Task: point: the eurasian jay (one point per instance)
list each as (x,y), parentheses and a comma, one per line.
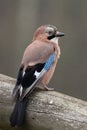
(37,67)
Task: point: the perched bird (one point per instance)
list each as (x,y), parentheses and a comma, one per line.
(37,67)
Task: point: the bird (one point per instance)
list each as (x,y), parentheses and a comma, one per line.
(37,68)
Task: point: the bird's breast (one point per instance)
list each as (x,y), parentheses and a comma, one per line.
(47,77)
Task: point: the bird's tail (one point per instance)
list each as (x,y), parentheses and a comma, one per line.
(18,114)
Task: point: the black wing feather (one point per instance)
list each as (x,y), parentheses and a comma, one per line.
(19,76)
(17,116)
(29,76)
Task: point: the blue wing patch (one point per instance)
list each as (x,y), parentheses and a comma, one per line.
(49,62)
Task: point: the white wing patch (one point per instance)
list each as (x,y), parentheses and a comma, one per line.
(23,73)
(21,90)
(37,74)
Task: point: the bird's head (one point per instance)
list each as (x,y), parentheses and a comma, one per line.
(48,32)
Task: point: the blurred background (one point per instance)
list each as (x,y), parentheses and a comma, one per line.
(18,21)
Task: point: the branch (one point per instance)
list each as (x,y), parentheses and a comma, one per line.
(48,110)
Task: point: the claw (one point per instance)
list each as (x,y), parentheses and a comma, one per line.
(44,87)
(48,89)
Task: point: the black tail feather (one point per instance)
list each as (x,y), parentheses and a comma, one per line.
(18,114)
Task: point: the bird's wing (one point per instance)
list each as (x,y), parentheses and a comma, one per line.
(34,59)
(41,74)
(37,52)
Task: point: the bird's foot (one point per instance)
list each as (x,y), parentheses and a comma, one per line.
(47,88)
(44,87)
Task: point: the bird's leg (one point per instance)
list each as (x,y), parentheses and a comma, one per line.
(44,87)
(47,88)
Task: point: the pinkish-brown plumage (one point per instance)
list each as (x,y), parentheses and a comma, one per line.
(39,51)
(32,72)
(47,77)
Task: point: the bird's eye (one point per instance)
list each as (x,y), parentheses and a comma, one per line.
(50,32)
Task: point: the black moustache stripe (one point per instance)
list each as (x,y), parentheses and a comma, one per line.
(51,37)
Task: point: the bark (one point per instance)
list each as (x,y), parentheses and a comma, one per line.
(47,110)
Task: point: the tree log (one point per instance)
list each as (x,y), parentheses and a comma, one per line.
(47,110)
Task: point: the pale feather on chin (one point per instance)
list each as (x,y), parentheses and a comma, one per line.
(55,39)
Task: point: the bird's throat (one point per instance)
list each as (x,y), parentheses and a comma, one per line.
(55,39)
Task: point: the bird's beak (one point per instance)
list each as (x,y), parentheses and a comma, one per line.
(59,34)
